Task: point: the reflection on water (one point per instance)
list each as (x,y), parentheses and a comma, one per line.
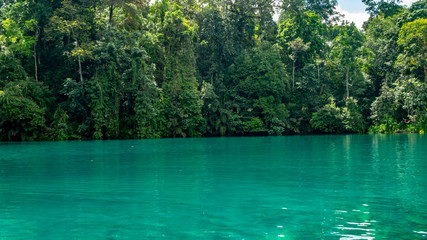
(364,228)
(300,187)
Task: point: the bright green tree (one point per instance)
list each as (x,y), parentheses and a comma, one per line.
(301,38)
(413,37)
(345,51)
(181,102)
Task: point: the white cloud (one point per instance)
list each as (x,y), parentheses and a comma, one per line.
(276,17)
(360,17)
(408,2)
(357,17)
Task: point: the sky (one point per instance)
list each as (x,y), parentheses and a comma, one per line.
(354,10)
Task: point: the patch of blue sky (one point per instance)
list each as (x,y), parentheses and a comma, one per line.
(354,10)
(352,5)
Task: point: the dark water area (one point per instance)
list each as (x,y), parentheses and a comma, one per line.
(296,187)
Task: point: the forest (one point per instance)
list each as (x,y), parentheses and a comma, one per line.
(128,69)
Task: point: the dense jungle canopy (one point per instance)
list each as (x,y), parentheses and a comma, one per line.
(120,69)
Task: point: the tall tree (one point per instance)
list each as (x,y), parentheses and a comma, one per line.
(301,38)
(381,39)
(69,25)
(345,50)
(385,7)
(259,85)
(297,47)
(413,37)
(181,100)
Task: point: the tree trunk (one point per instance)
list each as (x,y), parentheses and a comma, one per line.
(35,54)
(111,13)
(321,90)
(35,62)
(78,58)
(318,80)
(346,82)
(293,74)
(80,63)
(80,70)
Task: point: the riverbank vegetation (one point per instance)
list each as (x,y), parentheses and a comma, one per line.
(120,69)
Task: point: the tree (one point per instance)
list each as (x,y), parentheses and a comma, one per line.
(381,40)
(328,119)
(129,14)
(11,69)
(345,50)
(413,37)
(123,93)
(22,111)
(401,105)
(301,40)
(259,85)
(182,103)
(119,69)
(297,47)
(322,8)
(14,29)
(69,25)
(386,7)
(16,25)
(333,119)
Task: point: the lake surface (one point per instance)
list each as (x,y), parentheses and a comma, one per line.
(296,187)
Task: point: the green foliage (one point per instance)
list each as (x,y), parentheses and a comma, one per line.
(346,45)
(388,125)
(323,8)
(353,119)
(10,69)
(276,127)
(181,99)
(124,95)
(306,26)
(253,125)
(14,28)
(22,113)
(403,104)
(328,119)
(258,73)
(346,49)
(75,106)
(382,34)
(387,8)
(333,119)
(259,84)
(121,69)
(413,37)
(61,125)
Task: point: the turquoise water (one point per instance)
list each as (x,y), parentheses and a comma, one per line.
(297,187)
